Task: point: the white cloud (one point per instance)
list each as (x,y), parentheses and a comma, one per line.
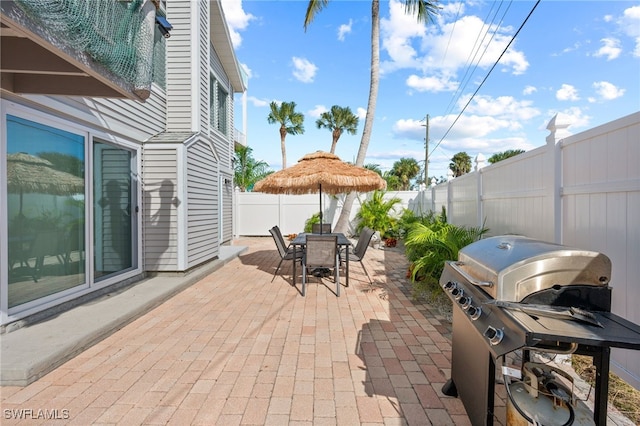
(258,102)
(567,93)
(397,34)
(505,107)
(529,90)
(576,117)
(344,29)
(431,84)
(610,49)
(317,111)
(303,70)
(441,51)
(607,91)
(361,113)
(452,48)
(237,19)
(629,23)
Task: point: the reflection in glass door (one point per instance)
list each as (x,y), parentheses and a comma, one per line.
(114,223)
(45,210)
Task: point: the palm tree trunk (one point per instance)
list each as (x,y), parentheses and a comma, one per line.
(334,140)
(283,135)
(343,220)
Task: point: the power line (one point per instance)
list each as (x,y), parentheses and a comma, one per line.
(477,44)
(487,76)
(486,47)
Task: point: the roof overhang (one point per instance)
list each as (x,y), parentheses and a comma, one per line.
(221,41)
(34,62)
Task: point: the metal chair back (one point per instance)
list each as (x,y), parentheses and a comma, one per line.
(285,252)
(363,242)
(321,251)
(325,228)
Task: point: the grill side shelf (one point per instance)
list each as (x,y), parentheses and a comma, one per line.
(615,332)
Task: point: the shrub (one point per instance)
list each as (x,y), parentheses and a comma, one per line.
(376,213)
(308,224)
(429,246)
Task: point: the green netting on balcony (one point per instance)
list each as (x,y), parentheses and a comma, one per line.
(117,34)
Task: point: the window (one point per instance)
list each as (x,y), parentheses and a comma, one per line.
(222,110)
(159,58)
(218,106)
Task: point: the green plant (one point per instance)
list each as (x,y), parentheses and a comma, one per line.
(308,224)
(429,246)
(376,213)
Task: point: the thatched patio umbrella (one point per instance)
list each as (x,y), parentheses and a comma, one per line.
(31,174)
(321,172)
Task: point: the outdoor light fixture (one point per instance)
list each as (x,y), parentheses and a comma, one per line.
(164,26)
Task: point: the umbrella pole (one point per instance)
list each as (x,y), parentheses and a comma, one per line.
(320,185)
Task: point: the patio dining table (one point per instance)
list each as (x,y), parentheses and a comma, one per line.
(301,241)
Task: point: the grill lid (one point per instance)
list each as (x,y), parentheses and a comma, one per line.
(517,266)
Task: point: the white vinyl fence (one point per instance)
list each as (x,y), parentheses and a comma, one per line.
(579,190)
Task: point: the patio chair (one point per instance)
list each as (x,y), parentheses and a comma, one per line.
(357,254)
(321,252)
(326,228)
(285,252)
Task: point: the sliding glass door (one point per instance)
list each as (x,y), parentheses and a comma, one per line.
(45,210)
(114,216)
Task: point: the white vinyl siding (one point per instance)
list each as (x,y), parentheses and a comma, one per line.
(227,207)
(203,65)
(180,61)
(133,120)
(160,213)
(203,219)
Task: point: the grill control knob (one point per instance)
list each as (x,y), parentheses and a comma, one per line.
(494,335)
(465,302)
(474,312)
(457,293)
(450,285)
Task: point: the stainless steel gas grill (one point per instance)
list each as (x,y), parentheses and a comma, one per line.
(511,293)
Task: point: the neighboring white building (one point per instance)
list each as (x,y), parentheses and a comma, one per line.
(116,146)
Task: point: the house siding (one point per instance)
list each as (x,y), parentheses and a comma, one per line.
(203,47)
(202,204)
(160,208)
(180,60)
(227,208)
(132,120)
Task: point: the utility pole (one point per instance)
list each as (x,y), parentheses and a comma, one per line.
(426,155)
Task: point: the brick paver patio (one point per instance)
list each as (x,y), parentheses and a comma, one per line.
(238,349)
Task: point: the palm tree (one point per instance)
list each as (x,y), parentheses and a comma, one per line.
(338,119)
(393,181)
(247,170)
(373,168)
(290,123)
(424,11)
(504,155)
(405,169)
(460,164)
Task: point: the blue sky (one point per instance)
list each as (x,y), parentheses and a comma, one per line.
(576,58)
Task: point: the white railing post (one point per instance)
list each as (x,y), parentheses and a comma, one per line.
(558,131)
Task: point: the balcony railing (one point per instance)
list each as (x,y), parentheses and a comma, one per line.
(239,138)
